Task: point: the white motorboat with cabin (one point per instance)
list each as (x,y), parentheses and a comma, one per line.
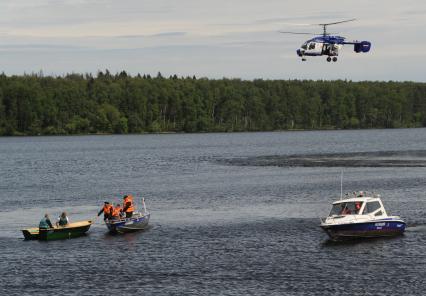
(361,215)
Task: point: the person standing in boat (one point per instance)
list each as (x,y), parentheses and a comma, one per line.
(128,207)
(117,212)
(107,210)
(63,220)
(45,222)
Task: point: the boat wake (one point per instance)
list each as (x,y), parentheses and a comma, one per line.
(414,158)
(416,228)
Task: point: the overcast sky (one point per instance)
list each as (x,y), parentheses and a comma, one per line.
(214,39)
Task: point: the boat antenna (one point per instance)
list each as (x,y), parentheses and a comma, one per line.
(144,206)
(341,185)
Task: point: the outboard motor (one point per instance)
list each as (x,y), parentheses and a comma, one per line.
(363,46)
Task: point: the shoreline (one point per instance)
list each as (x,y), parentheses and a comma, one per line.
(205,132)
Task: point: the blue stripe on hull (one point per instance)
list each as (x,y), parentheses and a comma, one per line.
(368,229)
(128,225)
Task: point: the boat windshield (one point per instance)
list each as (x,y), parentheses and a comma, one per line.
(346,208)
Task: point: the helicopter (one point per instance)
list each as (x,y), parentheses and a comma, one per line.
(327,44)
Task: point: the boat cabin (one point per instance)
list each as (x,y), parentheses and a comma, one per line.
(358,204)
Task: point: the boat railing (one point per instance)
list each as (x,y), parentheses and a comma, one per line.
(361,194)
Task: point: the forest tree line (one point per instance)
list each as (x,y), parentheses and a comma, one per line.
(119,103)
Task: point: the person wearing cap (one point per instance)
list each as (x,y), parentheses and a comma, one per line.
(45,222)
(128,207)
(107,210)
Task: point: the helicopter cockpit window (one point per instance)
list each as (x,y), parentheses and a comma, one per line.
(312,45)
(304,46)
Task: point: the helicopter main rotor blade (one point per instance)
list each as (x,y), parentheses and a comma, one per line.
(344,21)
(298,33)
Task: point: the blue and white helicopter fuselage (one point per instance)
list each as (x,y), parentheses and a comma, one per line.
(329,46)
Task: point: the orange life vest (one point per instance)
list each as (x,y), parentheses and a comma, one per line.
(128,204)
(107,209)
(116,211)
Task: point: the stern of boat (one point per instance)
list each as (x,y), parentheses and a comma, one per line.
(30,233)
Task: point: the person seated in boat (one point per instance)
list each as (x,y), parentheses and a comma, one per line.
(107,210)
(117,212)
(63,220)
(45,222)
(128,207)
(357,207)
(345,210)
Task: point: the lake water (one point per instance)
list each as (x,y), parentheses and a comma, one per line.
(228,215)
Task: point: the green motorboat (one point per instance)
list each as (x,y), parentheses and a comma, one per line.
(71,230)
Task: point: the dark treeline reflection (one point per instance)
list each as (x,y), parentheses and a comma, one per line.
(107,103)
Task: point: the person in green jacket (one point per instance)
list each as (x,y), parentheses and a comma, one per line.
(63,220)
(45,223)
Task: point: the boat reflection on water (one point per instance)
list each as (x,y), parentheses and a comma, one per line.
(361,215)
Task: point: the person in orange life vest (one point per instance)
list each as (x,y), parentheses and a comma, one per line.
(116,212)
(107,210)
(128,205)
